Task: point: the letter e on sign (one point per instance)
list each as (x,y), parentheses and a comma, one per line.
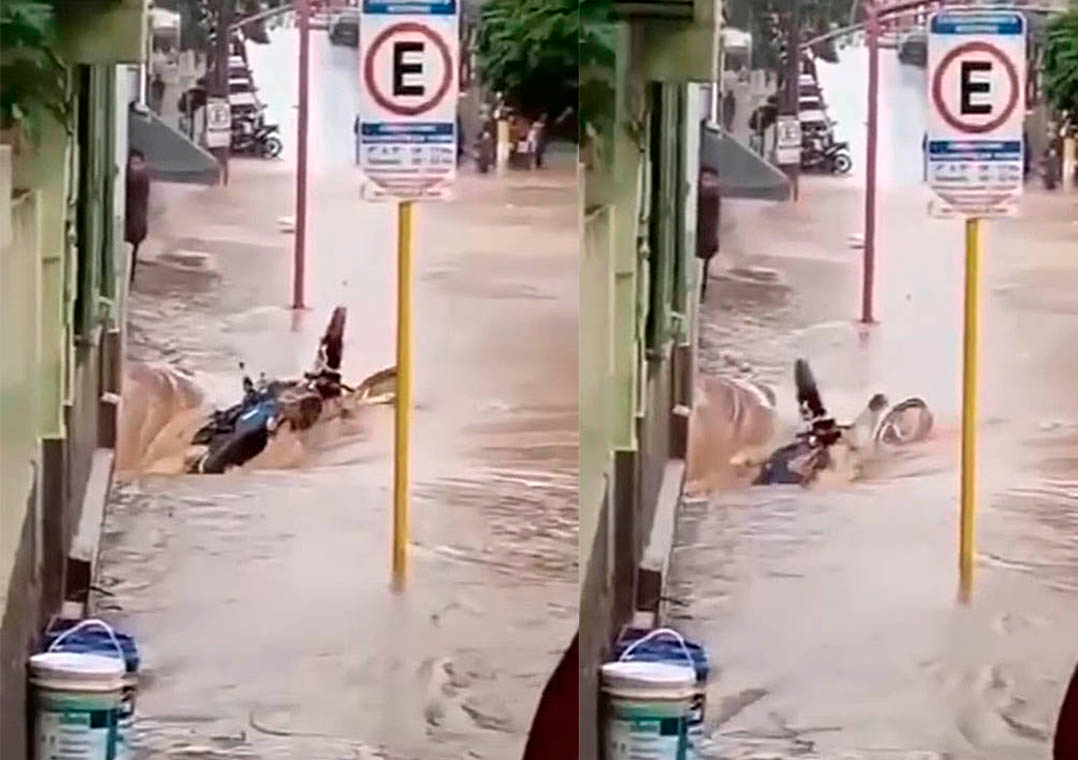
(401,68)
(970,86)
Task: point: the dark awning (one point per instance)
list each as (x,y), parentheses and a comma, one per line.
(742,173)
(171,156)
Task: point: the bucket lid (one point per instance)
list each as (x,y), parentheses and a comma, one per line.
(92,641)
(663,650)
(647,675)
(90,669)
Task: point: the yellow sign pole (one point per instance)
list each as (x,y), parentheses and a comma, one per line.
(969,408)
(404,391)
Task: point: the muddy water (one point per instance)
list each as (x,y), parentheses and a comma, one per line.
(261,597)
(831,615)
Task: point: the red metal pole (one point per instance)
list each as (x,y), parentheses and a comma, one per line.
(303,13)
(869,266)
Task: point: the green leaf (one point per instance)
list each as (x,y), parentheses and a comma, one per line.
(529,50)
(1060,62)
(33,78)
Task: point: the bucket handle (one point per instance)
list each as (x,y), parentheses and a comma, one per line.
(656,634)
(87,624)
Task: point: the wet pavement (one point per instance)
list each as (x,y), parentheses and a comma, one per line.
(832,615)
(261,598)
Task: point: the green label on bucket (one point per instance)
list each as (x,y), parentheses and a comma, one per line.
(646,739)
(76,735)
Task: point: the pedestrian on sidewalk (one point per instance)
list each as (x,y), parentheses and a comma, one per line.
(708,210)
(729,108)
(460,142)
(157,93)
(136,204)
(924,158)
(355,133)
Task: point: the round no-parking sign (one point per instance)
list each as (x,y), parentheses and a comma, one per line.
(976,110)
(408,100)
(408,69)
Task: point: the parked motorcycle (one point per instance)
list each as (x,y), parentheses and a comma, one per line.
(832,157)
(255,138)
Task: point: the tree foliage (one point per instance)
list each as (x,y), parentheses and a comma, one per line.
(1061,64)
(765,20)
(198,20)
(597,70)
(529,50)
(33,78)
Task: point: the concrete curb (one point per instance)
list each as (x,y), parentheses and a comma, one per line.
(655,563)
(82,559)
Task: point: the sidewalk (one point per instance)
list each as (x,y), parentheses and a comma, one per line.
(830,615)
(261,598)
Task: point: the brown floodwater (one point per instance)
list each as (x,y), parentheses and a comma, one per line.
(261,597)
(831,615)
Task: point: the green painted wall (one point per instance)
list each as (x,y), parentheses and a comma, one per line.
(639,275)
(20,339)
(45,167)
(65,249)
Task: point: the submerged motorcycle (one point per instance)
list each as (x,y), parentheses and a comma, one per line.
(238,434)
(814,447)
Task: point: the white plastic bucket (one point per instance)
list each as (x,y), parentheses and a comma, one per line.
(125,718)
(695,729)
(76,704)
(648,706)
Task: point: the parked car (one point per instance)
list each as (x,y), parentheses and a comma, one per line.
(344,30)
(914,49)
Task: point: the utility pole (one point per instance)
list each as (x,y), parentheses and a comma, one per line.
(222,44)
(869,260)
(303,17)
(793,75)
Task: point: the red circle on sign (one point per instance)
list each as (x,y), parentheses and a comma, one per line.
(937,87)
(368,69)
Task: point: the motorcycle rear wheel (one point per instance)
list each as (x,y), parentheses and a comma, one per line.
(272,147)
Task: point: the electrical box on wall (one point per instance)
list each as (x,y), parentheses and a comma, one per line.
(669,9)
(688,11)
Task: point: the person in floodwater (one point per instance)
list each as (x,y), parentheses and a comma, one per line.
(539,140)
(485,150)
(136,204)
(553,732)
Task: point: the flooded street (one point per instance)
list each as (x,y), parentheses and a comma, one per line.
(261,597)
(831,615)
